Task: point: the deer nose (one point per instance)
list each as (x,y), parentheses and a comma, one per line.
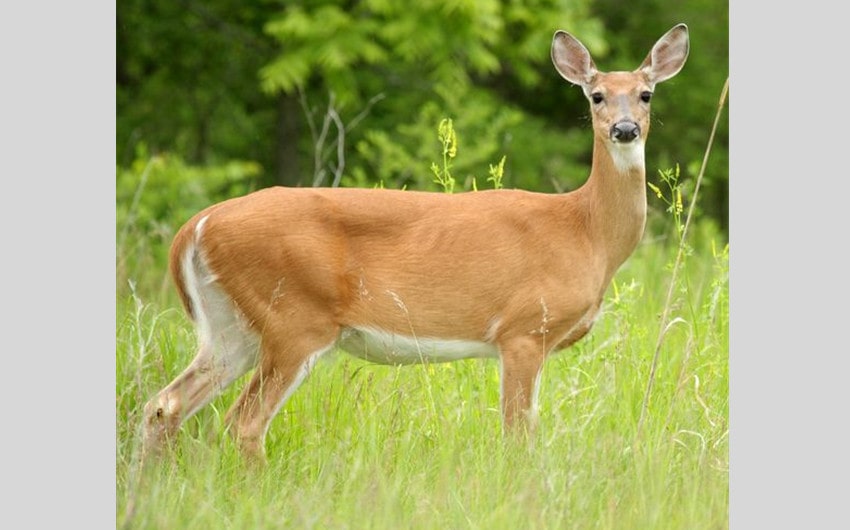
(625,131)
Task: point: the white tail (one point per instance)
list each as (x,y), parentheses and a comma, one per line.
(276,278)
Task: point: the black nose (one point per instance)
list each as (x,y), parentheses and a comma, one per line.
(625,131)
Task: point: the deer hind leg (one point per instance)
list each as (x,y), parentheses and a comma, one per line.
(286,361)
(228,349)
(521,366)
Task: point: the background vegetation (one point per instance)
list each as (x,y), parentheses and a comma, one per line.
(217,98)
(223,80)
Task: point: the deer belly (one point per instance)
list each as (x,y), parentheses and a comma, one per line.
(384,347)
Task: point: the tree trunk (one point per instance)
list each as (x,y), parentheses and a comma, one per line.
(288,168)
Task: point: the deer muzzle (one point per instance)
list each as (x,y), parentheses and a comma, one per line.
(625,131)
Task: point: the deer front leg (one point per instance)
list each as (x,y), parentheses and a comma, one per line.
(521,366)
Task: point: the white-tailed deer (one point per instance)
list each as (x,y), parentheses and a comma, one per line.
(276,278)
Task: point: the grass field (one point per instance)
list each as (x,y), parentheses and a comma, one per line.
(368,446)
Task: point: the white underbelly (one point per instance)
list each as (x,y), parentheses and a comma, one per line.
(385,347)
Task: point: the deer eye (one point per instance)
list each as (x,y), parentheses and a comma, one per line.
(596,97)
(645,96)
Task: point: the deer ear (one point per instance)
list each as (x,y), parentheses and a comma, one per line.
(668,55)
(571,59)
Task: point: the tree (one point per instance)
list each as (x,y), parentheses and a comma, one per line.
(323,91)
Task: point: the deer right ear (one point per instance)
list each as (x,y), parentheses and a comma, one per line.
(571,59)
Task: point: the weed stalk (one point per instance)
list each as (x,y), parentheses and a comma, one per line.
(666,324)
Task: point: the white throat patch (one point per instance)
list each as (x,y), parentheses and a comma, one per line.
(627,156)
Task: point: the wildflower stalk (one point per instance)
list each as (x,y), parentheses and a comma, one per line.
(448,138)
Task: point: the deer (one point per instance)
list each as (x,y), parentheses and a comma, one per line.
(274,279)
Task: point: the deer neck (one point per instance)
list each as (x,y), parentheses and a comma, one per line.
(617,199)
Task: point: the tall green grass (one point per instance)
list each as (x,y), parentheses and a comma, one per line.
(368,446)
(633,418)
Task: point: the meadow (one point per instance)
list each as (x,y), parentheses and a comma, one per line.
(633,430)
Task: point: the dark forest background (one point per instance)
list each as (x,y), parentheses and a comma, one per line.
(229,96)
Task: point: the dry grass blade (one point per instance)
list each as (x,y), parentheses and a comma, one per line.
(679,257)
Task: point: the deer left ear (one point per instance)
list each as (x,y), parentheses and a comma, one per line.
(668,55)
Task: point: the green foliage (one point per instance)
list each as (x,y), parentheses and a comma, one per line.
(430,60)
(396,156)
(163,188)
(334,42)
(448,139)
(447,136)
(187,80)
(670,179)
(436,42)
(225,80)
(496,173)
